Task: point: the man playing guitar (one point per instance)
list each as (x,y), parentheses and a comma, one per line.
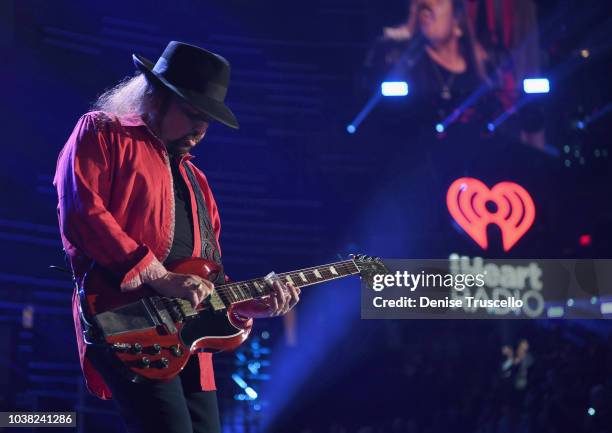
(132,202)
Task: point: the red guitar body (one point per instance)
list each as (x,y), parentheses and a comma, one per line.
(151,336)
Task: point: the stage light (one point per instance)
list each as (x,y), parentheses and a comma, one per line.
(585,53)
(593,300)
(584,240)
(265,335)
(555,312)
(239,381)
(394,88)
(254,367)
(351,129)
(591,411)
(536,85)
(606,308)
(440,128)
(580,124)
(491,126)
(570,302)
(250,392)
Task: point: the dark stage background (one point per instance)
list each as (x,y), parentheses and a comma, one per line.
(295,190)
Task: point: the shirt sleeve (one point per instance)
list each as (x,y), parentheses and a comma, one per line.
(83,180)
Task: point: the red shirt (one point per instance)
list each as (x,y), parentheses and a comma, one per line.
(116,207)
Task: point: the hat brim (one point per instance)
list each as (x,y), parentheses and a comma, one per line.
(211,107)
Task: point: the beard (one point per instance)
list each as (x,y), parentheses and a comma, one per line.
(184,144)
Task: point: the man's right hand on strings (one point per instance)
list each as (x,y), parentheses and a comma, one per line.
(191,287)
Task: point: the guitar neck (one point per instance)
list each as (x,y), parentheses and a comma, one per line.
(232,293)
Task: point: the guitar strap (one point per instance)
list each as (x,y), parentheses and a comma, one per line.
(210,248)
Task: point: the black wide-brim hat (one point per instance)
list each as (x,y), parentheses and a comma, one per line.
(196,75)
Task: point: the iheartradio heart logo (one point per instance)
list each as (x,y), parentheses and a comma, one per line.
(474,206)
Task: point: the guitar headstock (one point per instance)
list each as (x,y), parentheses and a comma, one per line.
(369,266)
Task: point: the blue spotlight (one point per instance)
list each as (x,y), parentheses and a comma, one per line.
(591,411)
(254,367)
(491,126)
(580,124)
(250,392)
(394,88)
(536,85)
(239,381)
(351,129)
(440,128)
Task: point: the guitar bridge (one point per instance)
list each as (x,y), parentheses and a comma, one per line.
(185,308)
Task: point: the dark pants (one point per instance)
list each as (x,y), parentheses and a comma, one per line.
(177,406)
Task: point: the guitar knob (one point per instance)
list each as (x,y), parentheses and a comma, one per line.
(145,362)
(176,350)
(163,363)
(156,348)
(137,348)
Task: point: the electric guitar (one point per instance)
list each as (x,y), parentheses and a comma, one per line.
(151,336)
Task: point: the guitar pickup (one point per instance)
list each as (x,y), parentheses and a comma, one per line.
(216,302)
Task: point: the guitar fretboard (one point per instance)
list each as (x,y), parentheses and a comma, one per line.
(257,288)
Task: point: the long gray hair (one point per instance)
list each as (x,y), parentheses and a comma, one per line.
(132,95)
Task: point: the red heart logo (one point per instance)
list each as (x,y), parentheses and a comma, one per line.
(467,200)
